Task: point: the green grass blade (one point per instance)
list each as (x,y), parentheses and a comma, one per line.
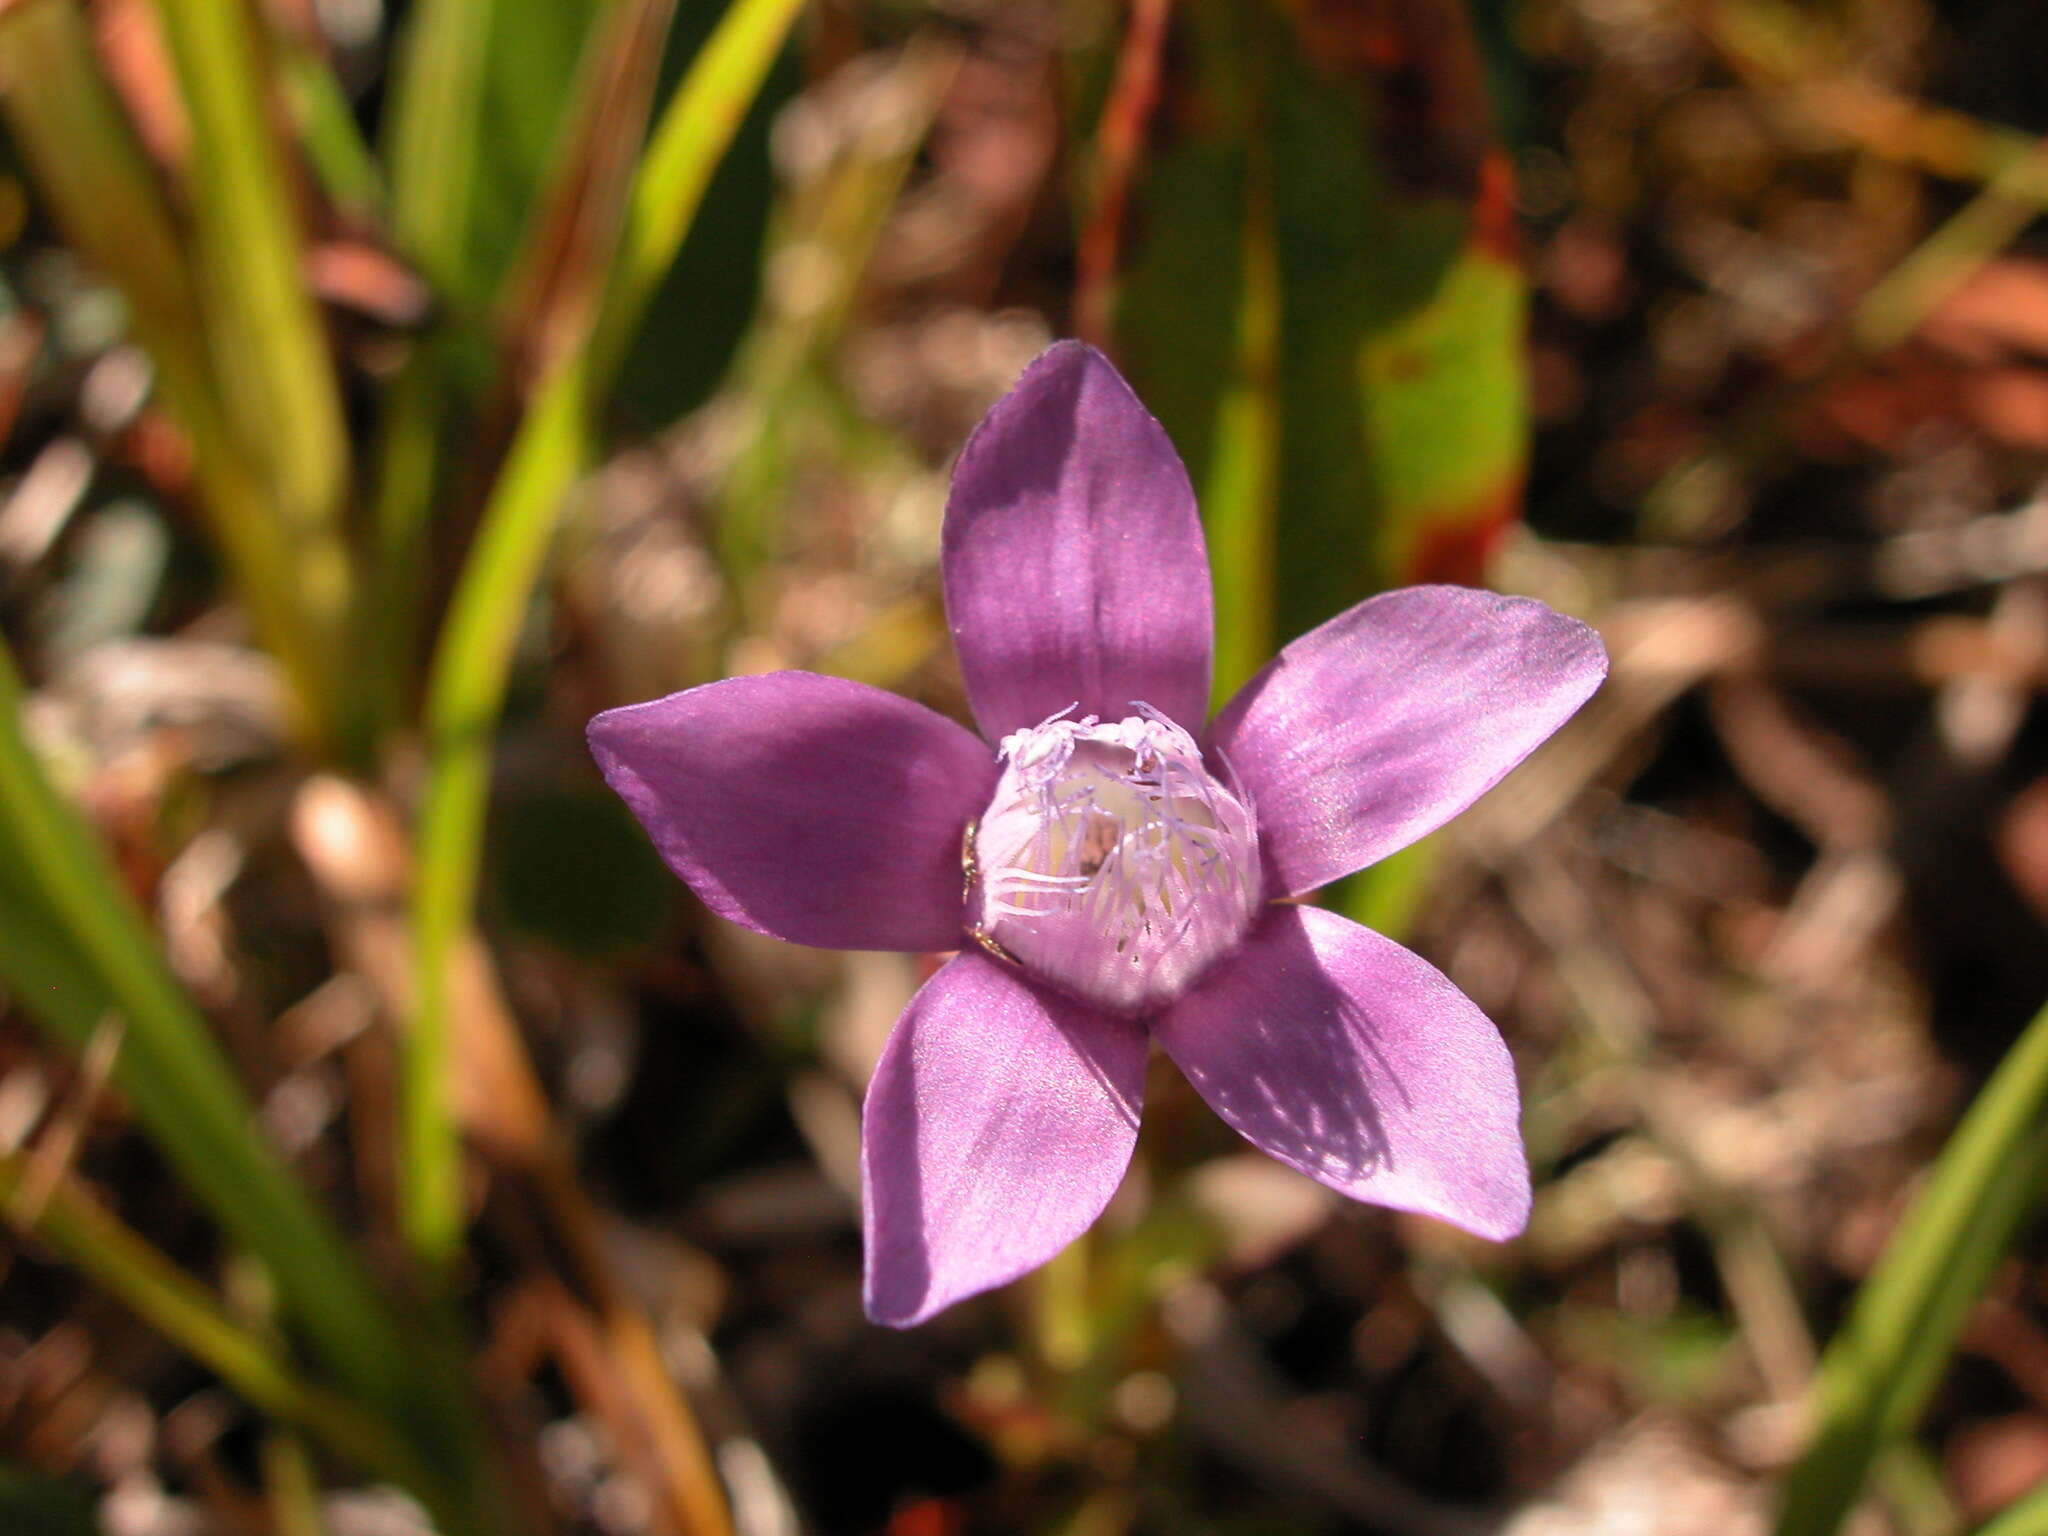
(1878,1372)
(472,661)
(74,949)
(431,148)
(292,1487)
(269,344)
(335,148)
(433,124)
(183,1311)
(688,142)
(97,179)
(468,684)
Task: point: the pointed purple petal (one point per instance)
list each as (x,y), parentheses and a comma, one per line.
(997,1127)
(810,808)
(1345,1056)
(1073,558)
(1386,722)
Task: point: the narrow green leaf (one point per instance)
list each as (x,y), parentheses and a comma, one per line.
(183,1311)
(268,341)
(472,661)
(335,147)
(433,124)
(533,83)
(685,341)
(97,179)
(431,147)
(1878,1371)
(683,151)
(559,273)
(74,950)
(467,691)
(291,1487)
(1342,225)
(406,453)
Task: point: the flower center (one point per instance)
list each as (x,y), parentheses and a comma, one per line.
(1110,862)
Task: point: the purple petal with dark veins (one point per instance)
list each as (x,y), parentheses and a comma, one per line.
(811,808)
(1343,1055)
(1384,723)
(1074,566)
(998,1124)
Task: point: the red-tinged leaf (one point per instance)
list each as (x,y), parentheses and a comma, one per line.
(1326,306)
(1397,384)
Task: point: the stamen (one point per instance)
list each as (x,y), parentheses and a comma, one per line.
(1110,862)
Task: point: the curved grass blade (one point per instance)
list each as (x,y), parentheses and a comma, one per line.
(1878,1371)
(431,147)
(685,148)
(433,125)
(177,1306)
(473,659)
(336,152)
(73,951)
(266,338)
(76,948)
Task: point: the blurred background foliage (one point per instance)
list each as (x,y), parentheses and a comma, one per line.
(388,1144)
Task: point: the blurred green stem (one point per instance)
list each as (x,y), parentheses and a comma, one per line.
(290,1486)
(436,115)
(335,149)
(432,146)
(266,337)
(473,659)
(268,346)
(1878,1371)
(1061,1308)
(467,691)
(407,448)
(1955,252)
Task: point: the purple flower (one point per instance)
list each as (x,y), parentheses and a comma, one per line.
(1125,871)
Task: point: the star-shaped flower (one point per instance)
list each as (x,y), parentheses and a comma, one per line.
(1126,870)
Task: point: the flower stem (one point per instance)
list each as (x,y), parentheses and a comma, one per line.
(473,659)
